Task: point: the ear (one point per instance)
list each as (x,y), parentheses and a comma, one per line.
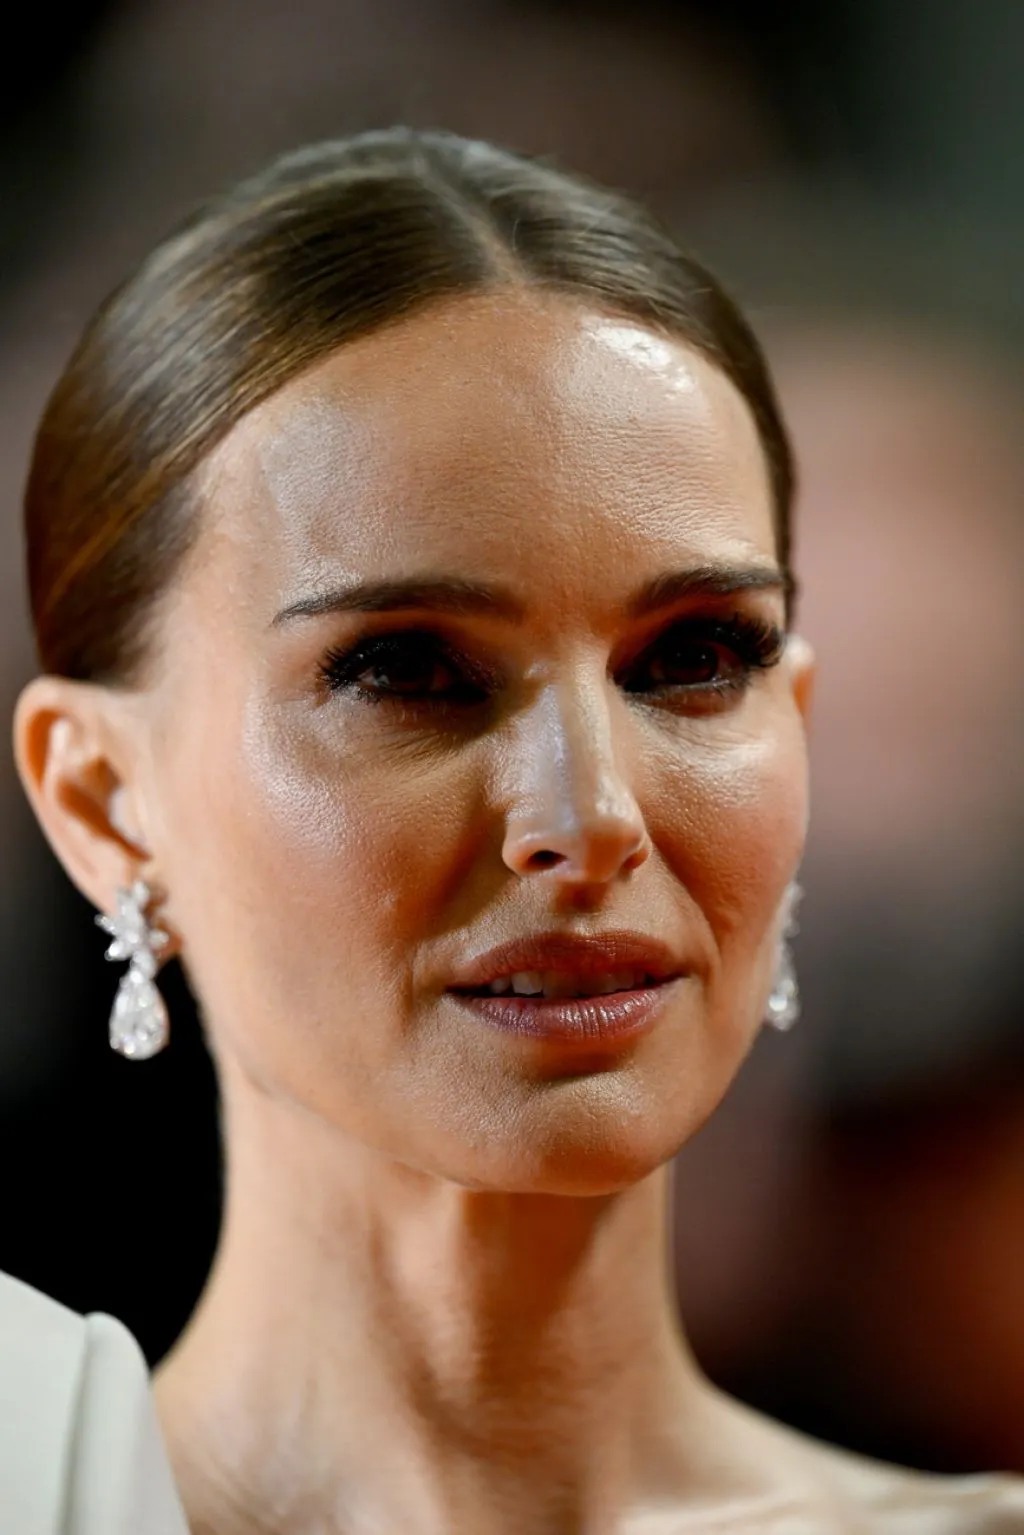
(72,745)
(803,672)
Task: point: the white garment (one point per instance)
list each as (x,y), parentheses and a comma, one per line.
(80,1448)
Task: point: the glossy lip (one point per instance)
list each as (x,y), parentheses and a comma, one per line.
(587,1022)
(610,1018)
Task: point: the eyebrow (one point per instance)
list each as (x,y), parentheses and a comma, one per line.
(454,594)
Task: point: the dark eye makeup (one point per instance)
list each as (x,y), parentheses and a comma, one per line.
(718,655)
(408,664)
(694,659)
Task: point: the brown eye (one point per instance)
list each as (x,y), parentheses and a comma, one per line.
(688,664)
(412,666)
(714,656)
(406,670)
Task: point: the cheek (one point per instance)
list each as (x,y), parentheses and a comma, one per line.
(732,822)
(315,870)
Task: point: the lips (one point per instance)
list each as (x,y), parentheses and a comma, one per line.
(566,983)
(564,965)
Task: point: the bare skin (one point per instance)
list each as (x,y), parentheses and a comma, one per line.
(440,1301)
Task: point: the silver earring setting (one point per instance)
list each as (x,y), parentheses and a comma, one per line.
(138,1023)
(784,1001)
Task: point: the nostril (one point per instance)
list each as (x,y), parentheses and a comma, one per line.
(638,856)
(544,859)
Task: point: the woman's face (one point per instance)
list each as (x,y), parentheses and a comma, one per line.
(481,640)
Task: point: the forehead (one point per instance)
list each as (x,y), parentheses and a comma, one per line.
(488,429)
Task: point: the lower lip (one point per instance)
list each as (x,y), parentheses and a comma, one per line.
(614,1018)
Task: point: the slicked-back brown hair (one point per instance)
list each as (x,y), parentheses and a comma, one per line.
(326,244)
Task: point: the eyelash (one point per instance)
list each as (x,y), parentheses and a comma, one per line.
(754,643)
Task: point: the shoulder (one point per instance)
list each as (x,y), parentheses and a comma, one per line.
(80,1450)
(874,1498)
(892,1501)
(816,1489)
(42,1355)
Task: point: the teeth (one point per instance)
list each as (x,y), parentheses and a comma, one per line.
(527,983)
(557,983)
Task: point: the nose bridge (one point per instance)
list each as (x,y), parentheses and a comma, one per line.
(575,811)
(587,774)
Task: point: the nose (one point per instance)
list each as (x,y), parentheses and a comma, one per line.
(574,818)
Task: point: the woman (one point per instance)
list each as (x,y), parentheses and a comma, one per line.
(409,557)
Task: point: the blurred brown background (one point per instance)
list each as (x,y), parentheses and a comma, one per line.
(850,1230)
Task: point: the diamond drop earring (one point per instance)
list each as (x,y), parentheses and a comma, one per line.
(138,1022)
(784,1001)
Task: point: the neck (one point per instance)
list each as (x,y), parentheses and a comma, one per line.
(379,1348)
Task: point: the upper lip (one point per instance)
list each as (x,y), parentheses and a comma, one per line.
(583,955)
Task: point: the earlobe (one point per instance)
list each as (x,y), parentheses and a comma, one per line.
(66,749)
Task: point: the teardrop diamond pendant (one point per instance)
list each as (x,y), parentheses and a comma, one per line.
(139,1026)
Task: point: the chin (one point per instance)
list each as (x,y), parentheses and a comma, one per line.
(574,1173)
(579,1181)
(574,1147)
